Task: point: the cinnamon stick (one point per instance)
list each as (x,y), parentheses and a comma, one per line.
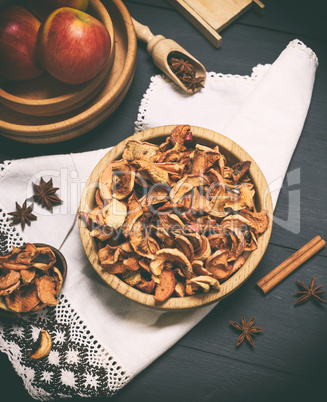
(290,264)
(289,260)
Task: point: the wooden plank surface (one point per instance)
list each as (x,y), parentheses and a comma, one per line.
(289,361)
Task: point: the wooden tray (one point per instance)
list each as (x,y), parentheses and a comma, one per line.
(50,129)
(234,153)
(212,16)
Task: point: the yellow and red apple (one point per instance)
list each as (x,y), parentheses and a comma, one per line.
(18,33)
(72,45)
(43,8)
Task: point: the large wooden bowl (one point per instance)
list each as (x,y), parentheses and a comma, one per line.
(46,96)
(50,129)
(234,153)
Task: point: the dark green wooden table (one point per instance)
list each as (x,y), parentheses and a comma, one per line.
(289,362)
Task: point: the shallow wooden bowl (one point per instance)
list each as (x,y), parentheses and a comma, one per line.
(46,96)
(234,153)
(61,264)
(50,129)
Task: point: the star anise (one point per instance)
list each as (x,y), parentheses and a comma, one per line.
(181,66)
(44,194)
(22,215)
(248,330)
(309,292)
(192,82)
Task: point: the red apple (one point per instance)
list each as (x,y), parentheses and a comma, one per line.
(73,46)
(18,33)
(42,8)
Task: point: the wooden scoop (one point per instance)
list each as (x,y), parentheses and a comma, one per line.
(161,49)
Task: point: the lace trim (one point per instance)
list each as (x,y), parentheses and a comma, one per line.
(78,365)
(158,81)
(4,168)
(296,43)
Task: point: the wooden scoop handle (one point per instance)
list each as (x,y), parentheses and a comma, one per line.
(142,32)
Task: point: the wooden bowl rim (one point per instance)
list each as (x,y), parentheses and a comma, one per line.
(63,270)
(62,127)
(189,302)
(88,87)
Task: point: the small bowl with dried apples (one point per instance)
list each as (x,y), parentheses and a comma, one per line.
(175,217)
(31,278)
(46,69)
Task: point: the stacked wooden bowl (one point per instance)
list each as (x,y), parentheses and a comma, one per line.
(45,110)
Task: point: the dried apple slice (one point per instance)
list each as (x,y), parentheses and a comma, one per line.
(191,288)
(141,150)
(19,259)
(146,286)
(180,289)
(56,275)
(260,220)
(116,268)
(102,233)
(199,269)
(239,170)
(123,182)
(204,251)
(23,299)
(135,210)
(143,244)
(200,161)
(153,172)
(186,184)
(15,266)
(236,238)
(238,263)
(9,279)
(132,278)
(145,264)
(42,347)
(174,256)
(217,264)
(45,259)
(166,286)
(27,275)
(132,264)
(251,242)
(157,194)
(206,280)
(108,255)
(242,200)
(195,239)
(3,305)
(10,289)
(179,135)
(46,290)
(114,213)
(98,199)
(93,217)
(216,199)
(116,180)
(185,246)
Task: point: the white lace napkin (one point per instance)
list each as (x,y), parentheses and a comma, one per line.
(100,339)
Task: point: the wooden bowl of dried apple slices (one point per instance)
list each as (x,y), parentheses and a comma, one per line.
(31,278)
(208,262)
